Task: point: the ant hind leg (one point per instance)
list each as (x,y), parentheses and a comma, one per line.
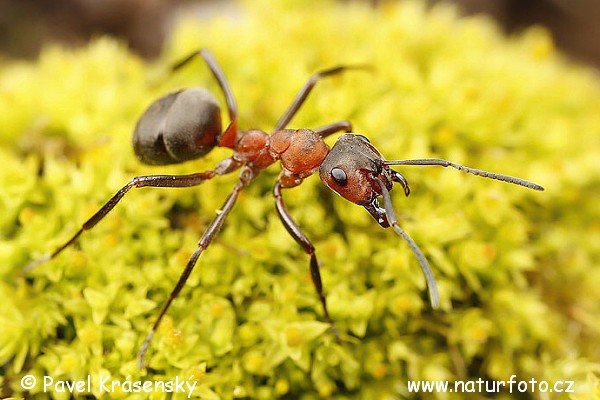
(226,166)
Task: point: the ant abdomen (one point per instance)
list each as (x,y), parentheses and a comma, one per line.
(180,126)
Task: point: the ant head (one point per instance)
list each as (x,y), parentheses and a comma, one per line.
(353,169)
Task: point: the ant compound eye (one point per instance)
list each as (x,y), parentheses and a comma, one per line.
(339,176)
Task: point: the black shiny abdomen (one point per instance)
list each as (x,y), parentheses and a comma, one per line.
(180,126)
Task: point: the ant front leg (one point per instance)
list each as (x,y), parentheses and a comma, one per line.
(294,230)
(226,166)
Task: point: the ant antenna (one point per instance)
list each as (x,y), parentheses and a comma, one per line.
(479,172)
(434,295)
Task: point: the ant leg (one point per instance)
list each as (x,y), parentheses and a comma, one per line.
(216,70)
(335,127)
(230,134)
(205,241)
(226,166)
(393,221)
(294,230)
(304,92)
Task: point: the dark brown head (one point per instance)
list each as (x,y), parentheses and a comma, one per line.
(351,168)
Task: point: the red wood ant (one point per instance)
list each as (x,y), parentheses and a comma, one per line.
(186,125)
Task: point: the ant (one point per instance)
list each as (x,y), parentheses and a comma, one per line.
(186,124)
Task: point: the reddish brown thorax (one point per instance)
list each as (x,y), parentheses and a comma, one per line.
(300,151)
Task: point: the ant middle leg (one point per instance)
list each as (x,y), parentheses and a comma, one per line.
(305,91)
(226,166)
(300,238)
(207,238)
(335,127)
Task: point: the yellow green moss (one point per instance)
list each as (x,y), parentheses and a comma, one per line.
(517,269)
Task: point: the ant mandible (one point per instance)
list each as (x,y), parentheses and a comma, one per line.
(186,125)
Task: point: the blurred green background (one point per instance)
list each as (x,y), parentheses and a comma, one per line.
(517,269)
(26,26)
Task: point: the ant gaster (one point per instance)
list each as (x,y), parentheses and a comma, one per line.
(186,125)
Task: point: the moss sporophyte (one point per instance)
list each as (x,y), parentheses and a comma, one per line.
(247,324)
